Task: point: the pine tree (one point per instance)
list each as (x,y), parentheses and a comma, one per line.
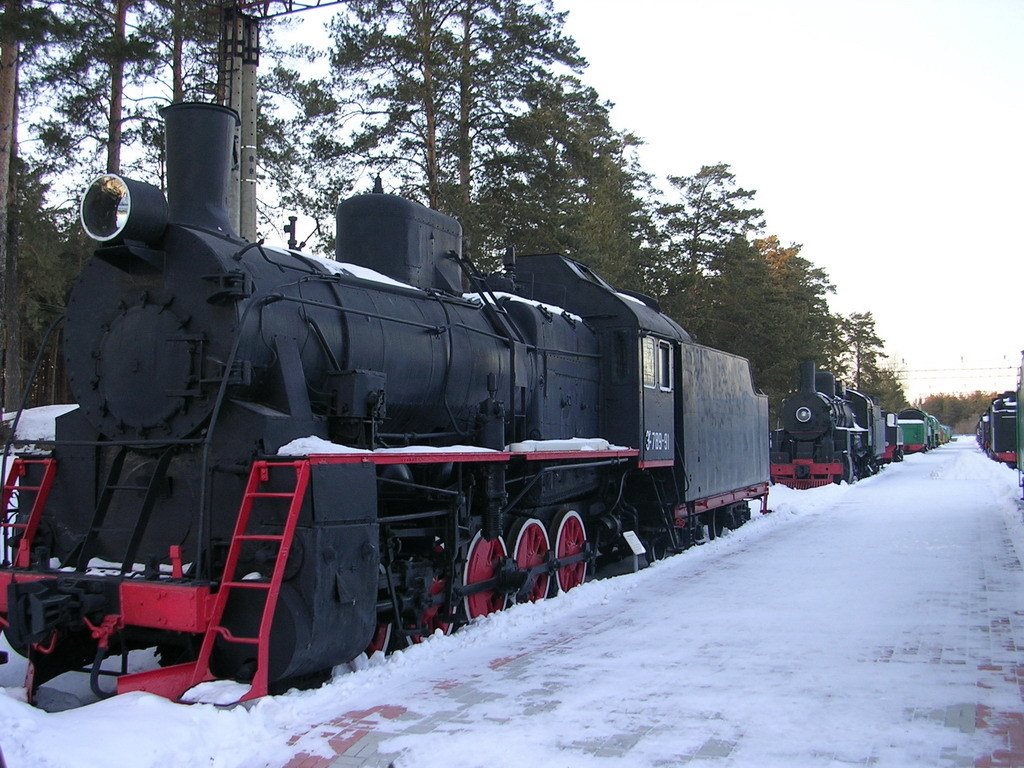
(52,249)
(865,347)
(887,387)
(472,107)
(22,32)
(710,212)
(95,72)
(568,182)
(768,304)
(102,56)
(10,47)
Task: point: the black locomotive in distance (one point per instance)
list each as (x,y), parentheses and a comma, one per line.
(997,429)
(279,462)
(830,433)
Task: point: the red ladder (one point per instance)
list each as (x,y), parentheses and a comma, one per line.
(19,469)
(259,474)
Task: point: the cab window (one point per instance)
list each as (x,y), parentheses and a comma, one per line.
(665,366)
(650,362)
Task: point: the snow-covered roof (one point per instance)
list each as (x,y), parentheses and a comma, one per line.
(351,270)
(627,297)
(554,310)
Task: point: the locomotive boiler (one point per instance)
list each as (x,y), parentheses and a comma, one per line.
(280,461)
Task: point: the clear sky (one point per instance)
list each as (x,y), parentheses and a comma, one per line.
(886,136)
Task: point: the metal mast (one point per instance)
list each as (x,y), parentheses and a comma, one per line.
(239,59)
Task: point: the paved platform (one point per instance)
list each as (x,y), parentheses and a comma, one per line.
(963,646)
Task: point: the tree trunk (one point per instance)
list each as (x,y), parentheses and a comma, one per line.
(423,16)
(13,372)
(466,106)
(178,46)
(117,88)
(8,98)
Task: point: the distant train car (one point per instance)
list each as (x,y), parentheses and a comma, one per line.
(1020,418)
(893,438)
(914,422)
(823,440)
(1002,427)
(981,432)
(869,444)
(933,431)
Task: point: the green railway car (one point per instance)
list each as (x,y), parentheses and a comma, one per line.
(915,430)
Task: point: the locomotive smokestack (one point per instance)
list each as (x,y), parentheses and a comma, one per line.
(807,376)
(200,148)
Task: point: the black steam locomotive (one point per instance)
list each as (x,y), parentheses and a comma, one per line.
(997,429)
(279,462)
(830,433)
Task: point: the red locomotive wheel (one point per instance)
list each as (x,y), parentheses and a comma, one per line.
(430,618)
(381,639)
(482,563)
(570,539)
(529,549)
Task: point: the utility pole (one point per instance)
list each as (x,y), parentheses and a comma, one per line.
(239,61)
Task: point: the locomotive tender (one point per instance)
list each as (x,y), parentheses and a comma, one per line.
(279,461)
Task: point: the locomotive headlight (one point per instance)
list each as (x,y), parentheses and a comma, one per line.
(803,414)
(115,209)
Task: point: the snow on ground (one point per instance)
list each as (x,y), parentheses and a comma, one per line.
(863,624)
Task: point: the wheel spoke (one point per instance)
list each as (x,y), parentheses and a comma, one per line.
(482,563)
(529,551)
(570,538)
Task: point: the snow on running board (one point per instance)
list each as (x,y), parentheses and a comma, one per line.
(573,444)
(317,446)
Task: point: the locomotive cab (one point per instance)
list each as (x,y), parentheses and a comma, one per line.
(636,411)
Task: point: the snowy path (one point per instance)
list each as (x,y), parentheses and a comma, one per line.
(878,624)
